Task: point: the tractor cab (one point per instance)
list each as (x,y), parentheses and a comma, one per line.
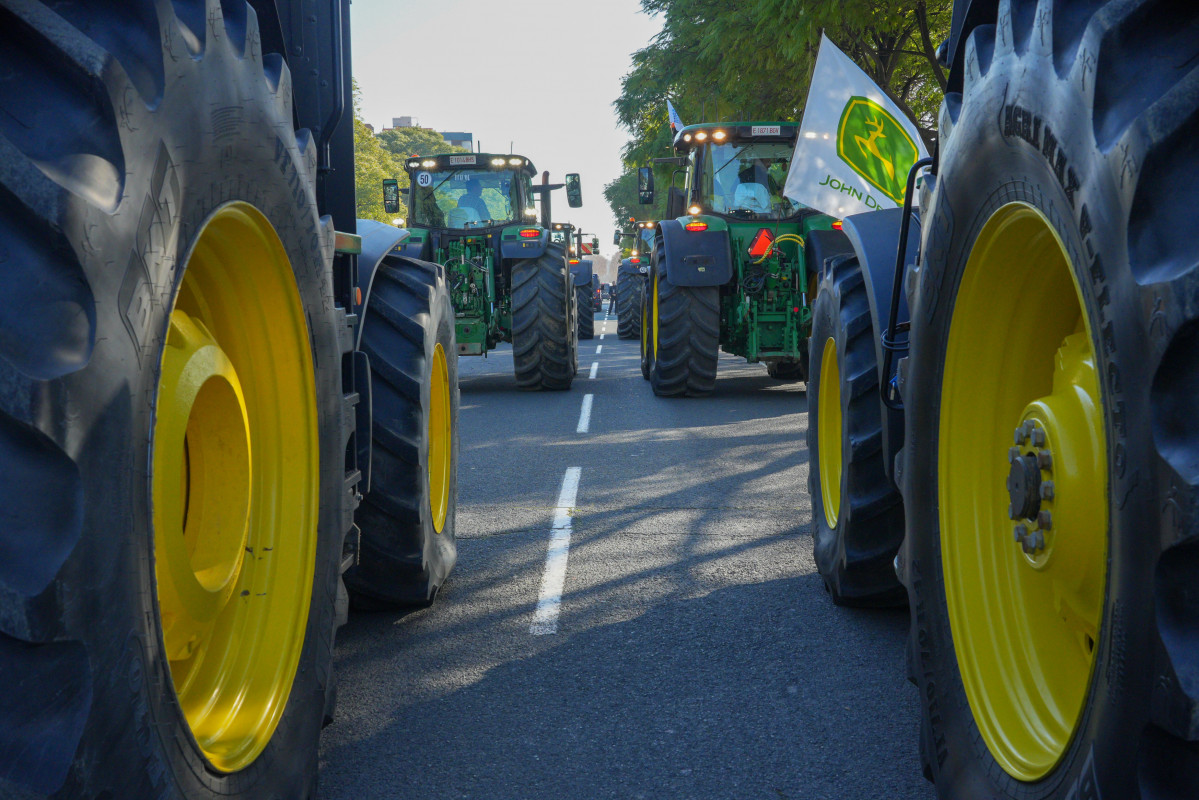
(643,237)
(470,191)
(562,233)
(736,171)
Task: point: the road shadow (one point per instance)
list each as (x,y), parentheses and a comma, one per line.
(742,692)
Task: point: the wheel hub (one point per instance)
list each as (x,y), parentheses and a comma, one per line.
(1027,490)
(203,435)
(1023,486)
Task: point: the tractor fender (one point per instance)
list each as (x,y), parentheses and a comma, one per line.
(874,237)
(379,241)
(513,245)
(583,272)
(415,245)
(627,267)
(694,258)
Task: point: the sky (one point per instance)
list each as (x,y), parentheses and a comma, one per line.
(539,74)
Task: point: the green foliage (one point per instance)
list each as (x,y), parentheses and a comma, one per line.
(372,163)
(621,195)
(405,142)
(382,155)
(720,61)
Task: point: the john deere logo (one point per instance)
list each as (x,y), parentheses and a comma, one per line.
(876,146)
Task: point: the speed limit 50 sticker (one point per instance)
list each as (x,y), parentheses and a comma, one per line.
(424,179)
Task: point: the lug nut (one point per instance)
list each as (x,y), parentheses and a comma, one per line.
(1045,520)
(1019,435)
(1046,490)
(1038,437)
(1044,459)
(1034,543)
(1021,532)
(1012,454)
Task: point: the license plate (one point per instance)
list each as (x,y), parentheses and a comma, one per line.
(767,130)
(462,161)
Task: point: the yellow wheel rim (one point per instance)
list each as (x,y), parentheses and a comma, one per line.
(235,482)
(655,314)
(1022,492)
(828,433)
(440,438)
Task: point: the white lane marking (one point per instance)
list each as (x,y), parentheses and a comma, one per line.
(599,348)
(601,336)
(594,369)
(545,618)
(585,414)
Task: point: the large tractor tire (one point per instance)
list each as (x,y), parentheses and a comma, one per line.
(857,514)
(1050,468)
(544,346)
(407,517)
(586,311)
(628,306)
(685,337)
(172,470)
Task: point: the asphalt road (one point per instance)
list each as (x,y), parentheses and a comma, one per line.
(695,653)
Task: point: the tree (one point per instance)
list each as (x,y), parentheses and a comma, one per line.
(621,195)
(405,142)
(717,61)
(372,164)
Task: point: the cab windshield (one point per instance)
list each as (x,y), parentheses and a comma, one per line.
(645,243)
(466,198)
(746,180)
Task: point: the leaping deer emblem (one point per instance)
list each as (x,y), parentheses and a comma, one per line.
(868,146)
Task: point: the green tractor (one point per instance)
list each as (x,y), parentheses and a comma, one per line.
(731,265)
(1003,407)
(581,270)
(630,286)
(474,214)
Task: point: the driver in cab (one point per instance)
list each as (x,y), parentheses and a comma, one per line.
(473,199)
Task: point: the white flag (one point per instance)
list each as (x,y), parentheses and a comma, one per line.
(675,122)
(855,147)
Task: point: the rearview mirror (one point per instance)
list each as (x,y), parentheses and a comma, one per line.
(645,186)
(574,190)
(391,196)
(616,239)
